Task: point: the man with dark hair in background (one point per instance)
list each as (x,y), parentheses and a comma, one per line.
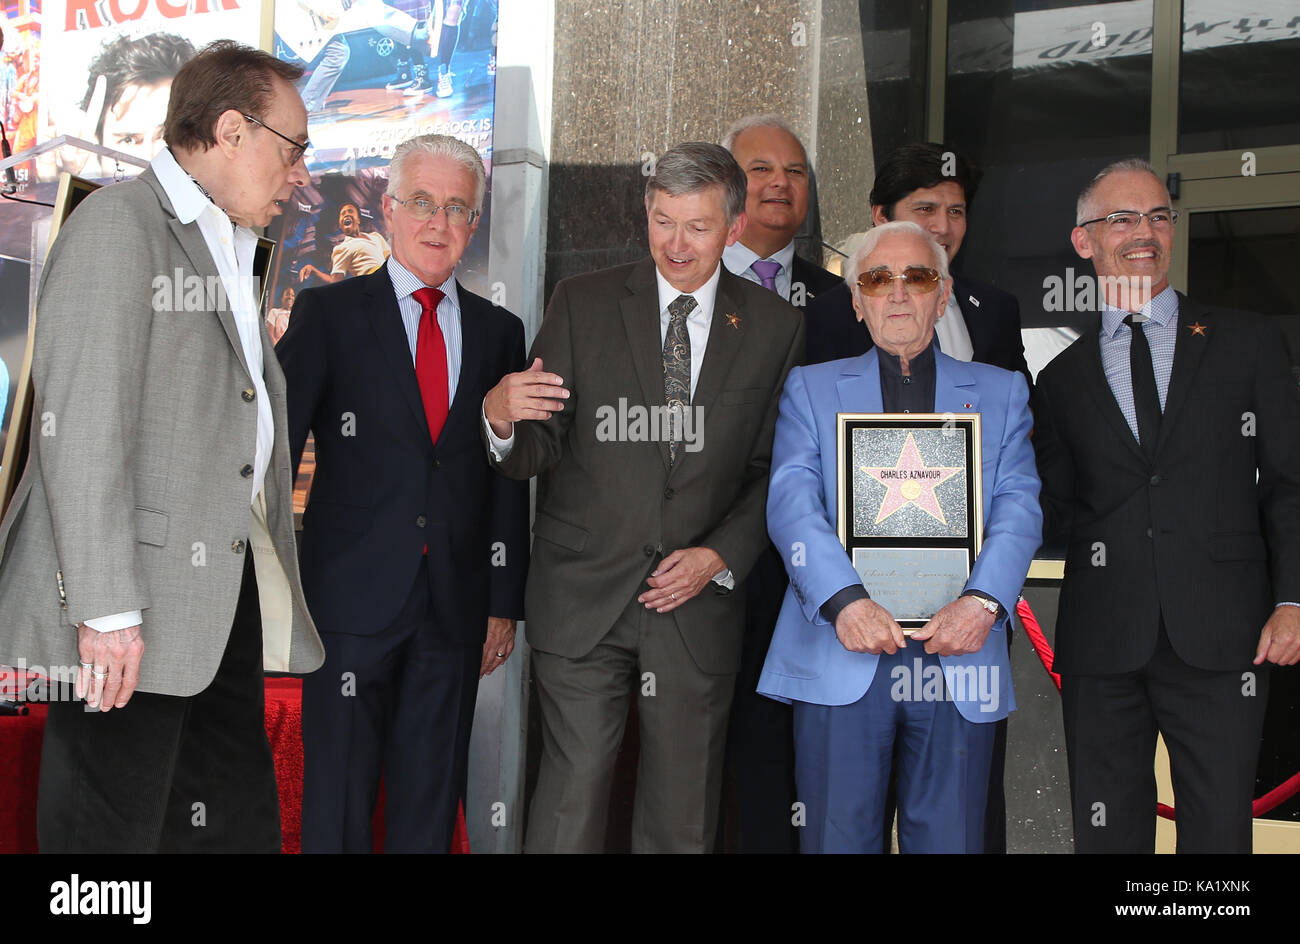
(934,186)
(149,550)
(644,527)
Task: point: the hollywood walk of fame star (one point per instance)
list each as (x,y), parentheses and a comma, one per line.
(911,481)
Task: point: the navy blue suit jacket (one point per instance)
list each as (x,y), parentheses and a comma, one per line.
(383,491)
(992,319)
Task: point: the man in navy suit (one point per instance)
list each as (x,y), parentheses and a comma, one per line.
(413,549)
(933,186)
(839,655)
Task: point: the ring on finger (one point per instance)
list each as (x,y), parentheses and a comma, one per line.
(99,675)
(673,595)
(87,665)
(500,654)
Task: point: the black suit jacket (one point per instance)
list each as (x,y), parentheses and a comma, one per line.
(1190,535)
(815,280)
(383,490)
(992,319)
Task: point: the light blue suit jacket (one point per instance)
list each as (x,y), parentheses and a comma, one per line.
(806,661)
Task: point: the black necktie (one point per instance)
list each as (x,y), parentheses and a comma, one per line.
(1146,399)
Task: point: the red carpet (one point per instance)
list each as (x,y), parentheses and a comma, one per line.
(20,758)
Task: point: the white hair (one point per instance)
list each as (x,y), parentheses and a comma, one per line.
(869,240)
(438,145)
(758,121)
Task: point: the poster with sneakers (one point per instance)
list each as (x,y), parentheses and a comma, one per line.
(380,71)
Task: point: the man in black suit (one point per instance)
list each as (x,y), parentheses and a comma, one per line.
(760,742)
(413,549)
(933,186)
(1170,459)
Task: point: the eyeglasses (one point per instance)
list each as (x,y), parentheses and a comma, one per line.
(423,209)
(298,149)
(1121,221)
(918,280)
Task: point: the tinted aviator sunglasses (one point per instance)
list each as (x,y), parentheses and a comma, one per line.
(917,280)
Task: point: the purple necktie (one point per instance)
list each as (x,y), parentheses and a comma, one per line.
(766,271)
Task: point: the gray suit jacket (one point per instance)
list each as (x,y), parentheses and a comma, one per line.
(143,422)
(606,505)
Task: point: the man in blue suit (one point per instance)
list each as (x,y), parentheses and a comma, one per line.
(857,683)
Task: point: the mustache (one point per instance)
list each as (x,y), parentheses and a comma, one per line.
(1142,244)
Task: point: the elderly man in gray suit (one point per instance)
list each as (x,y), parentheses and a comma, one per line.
(149,548)
(648,414)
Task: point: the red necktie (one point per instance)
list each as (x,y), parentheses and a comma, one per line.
(431,361)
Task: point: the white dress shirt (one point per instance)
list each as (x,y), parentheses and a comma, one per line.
(232,248)
(954,338)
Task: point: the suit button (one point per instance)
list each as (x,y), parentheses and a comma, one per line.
(1155,480)
(248,395)
(246,471)
(420,521)
(237,546)
(668,493)
(437,464)
(649,550)
(1148,532)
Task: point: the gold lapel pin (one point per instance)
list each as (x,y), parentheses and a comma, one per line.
(1198,328)
(733,320)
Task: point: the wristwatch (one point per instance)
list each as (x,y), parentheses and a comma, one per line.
(993,606)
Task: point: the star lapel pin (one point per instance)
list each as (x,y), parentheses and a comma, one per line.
(1198,328)
(733,321)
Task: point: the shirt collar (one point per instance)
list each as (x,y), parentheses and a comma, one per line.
(704,295)
(918,365)
(406,282)
(187,199)
(739,257)
(1162,309)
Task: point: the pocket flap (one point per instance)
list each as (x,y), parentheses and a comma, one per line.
(150,526)
(559,532)
(1238,545)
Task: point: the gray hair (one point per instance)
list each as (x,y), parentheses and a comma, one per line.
(696,166)
(853,263)
(438,145)
(758,121)
(1086,209)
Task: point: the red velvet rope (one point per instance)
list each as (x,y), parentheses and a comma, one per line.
(1275,797)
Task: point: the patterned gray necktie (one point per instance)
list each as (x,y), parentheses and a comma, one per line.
(677,368)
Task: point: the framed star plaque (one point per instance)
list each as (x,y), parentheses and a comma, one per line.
(910,509)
